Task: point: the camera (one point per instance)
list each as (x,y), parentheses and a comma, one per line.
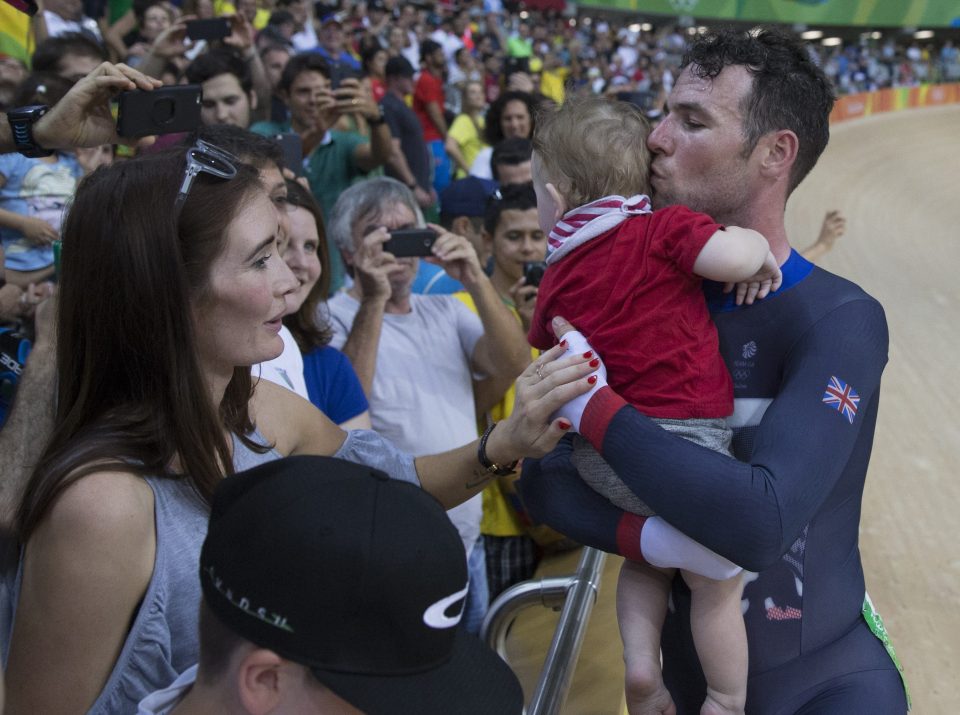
(405,242)
(533,272)
(166,110)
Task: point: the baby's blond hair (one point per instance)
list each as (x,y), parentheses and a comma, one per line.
(593,147)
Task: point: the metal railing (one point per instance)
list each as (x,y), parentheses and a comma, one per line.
(576,594)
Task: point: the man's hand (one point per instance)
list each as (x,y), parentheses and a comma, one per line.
(45,315)
(525,301)
(352,97)
(373,266)
(172,42)
(424,199)
(457,256)
(83,117)
(38,231)
(242,34)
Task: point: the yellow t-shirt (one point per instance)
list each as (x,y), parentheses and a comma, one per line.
(552,83)
(465,133)
(224,7)
(499,517)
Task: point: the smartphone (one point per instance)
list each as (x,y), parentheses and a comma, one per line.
(533,272)
(26,6)
(215,28)
(292,147)
(410,242)
(340,72)
(160,111)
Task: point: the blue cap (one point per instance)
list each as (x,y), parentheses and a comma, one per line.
(467,197)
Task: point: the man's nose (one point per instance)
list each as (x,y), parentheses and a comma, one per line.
(658,140)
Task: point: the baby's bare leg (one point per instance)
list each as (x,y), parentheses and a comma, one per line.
(642,594)
(721,641)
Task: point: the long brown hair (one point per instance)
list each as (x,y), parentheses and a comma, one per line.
(307,327)
(131,392)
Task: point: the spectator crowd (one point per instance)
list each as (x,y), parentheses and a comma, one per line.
(363,119)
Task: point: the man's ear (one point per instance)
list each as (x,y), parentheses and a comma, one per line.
(560,203)
(260,681)
(487,239)
(779,153)
(253,100)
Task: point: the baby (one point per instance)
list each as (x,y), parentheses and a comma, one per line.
(629,278)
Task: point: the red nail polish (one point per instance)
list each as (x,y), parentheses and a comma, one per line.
(565,425)
(592,379)
(563,343)
(595,362)
(588,354)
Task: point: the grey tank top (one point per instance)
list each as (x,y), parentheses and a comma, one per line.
(163,639)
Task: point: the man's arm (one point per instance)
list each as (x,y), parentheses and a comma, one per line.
(435,112)
(30,423)
(371,270)
(502,350)
(750,513)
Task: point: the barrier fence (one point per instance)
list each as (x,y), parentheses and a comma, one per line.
(864,104)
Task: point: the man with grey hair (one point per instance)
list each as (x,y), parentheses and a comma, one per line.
(417,355)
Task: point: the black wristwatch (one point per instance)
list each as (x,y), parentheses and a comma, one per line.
(499,470)
(380,118)
(21,121)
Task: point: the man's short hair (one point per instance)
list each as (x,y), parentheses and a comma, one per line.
(789,90)
(41,88)
(509,152)
(399,66)
(367,200)
(216,62)
(250,148)
(298,64)
(428,47)
(593,147)
(513,197)
(47,56)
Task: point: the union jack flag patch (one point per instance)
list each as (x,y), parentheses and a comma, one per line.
(841,397)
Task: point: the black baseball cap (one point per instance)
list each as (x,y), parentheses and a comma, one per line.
(398,66)
(361,578)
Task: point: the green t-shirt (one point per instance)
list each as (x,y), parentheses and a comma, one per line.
(330,169)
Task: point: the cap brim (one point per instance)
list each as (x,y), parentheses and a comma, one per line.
(475,681)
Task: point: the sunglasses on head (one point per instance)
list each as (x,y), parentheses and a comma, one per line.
(205,158)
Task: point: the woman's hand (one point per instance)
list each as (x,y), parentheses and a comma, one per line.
(534,428)
(577,345)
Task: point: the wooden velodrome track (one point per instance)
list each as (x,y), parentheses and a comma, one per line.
(895,177)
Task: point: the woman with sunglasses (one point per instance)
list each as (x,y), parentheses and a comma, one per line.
(332,384)
(156,405)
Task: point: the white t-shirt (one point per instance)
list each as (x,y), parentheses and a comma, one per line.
(57,26)
(287,369)
(162,702)
(422,393)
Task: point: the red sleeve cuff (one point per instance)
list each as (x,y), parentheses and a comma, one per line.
(596,417)
(628,537)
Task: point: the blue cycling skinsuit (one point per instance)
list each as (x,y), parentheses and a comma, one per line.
(806,365)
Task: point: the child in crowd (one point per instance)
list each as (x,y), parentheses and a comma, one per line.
(629,279)
(34,192)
